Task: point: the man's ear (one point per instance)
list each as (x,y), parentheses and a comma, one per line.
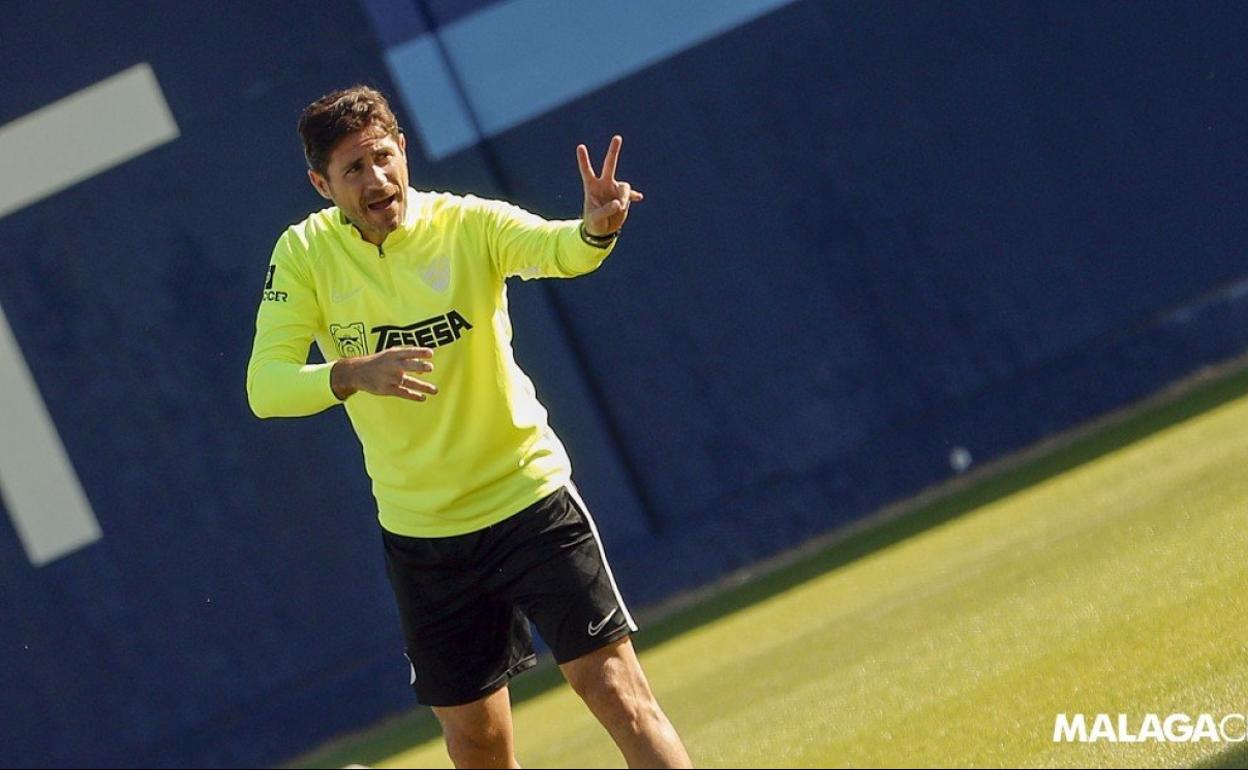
(320,183)
(403,143)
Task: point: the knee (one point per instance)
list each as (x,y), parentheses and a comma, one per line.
(481,745)
(620,703)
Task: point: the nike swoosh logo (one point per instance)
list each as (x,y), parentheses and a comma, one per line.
(338,298)
(594,628)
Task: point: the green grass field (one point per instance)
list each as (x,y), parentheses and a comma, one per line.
(1105,576)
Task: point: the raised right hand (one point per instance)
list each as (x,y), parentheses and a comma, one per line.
(388,373)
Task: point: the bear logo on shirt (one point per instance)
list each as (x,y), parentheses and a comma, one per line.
(350,339)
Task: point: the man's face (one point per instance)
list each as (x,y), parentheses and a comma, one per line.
(366,178)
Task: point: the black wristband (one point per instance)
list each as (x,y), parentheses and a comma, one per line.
(598,241)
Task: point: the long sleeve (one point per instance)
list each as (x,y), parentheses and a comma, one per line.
(280,381)
(523,244)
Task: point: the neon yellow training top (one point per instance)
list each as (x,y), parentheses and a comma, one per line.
(481,449)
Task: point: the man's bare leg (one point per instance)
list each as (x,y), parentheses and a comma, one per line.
(479,734)
(612,684)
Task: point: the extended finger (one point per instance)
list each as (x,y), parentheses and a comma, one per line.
(410,395)
(416,365)
(613,155)
(411,383)
(635,195)
(407,351)
(582,162)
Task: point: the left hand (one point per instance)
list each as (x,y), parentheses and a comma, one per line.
(606,200)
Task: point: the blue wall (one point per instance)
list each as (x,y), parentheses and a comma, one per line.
(872,232)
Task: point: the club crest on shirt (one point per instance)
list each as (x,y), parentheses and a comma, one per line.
(350,339)
(437,274)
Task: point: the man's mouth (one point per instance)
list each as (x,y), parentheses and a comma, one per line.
(384,203)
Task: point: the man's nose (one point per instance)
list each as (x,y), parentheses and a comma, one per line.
(377,174)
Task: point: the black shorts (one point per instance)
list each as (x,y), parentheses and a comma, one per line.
(466,601)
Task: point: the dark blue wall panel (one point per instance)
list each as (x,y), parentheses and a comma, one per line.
(872,233)
(936,202)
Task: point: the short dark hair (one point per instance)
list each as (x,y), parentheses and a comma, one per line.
(327,120)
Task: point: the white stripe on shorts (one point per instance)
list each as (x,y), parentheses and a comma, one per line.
(576,496)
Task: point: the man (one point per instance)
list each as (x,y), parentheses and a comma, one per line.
(404,293)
